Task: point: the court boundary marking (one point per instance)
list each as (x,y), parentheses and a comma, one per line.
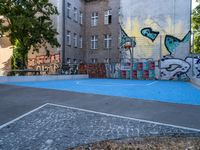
(22,116)
(100,113)
(114,84)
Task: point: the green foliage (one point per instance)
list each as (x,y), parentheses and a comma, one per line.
(28,25)
(196,28)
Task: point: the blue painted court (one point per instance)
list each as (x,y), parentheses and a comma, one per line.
(164,91)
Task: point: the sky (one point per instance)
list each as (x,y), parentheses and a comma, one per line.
(194,4)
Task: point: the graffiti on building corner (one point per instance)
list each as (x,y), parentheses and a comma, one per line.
(171,42)
(47,64)
(149,33)
(125,38)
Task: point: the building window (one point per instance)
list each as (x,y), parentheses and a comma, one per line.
(108,17)
(75,14)
(107,60)
(68,60)
(81,18)
(80,42)
(107,41)
(94,42)
(94,60)
(94,19)
(68,38)
(75,40)
(68,10)
(75,61)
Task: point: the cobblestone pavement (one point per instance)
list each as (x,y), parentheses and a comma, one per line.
(57,128)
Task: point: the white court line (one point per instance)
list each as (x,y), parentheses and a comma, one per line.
(151,83)
(123,117)
(22,116)
(114,84)
(100,113)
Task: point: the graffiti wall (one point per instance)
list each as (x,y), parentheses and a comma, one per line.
(163,36)
(46,64)
(5,56)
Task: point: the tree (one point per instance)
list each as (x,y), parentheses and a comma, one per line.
(29,26)
(196,28)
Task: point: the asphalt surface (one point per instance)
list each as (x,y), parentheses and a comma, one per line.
(15,101)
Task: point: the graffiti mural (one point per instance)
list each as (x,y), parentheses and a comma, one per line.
(172,42)
(195,63)
(169,50)
(46,64)
(149,33)
(174,69)
(123,39)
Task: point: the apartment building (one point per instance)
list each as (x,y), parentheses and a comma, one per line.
(91,31)
(74,35)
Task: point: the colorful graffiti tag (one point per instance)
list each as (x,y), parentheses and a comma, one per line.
(47,64)
(172,42)
(195,62)
(174,69)
(149,33)
(125,38)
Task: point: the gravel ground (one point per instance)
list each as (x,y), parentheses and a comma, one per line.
(152,143)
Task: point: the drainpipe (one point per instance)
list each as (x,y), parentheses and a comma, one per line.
(63,35)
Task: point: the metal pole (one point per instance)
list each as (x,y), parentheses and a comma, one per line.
(193,74)
(63,36)
(109,62)
(131,69)
(160,57)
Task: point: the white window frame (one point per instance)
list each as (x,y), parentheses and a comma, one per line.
(94,19)
(75,14)
(107,60)
(69,10)
(107,41)
(74,60)
(68,38)
(81,18)
(68,60)
(94,42)
(80,41)
(75,40)
(107,15)
(94,60)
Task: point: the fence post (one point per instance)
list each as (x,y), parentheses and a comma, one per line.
(193,74)
(159,65)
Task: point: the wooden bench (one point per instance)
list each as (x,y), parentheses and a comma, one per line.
(25,71)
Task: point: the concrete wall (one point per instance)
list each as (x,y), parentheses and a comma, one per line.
(162,31)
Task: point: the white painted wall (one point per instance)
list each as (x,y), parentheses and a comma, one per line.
(169,18)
